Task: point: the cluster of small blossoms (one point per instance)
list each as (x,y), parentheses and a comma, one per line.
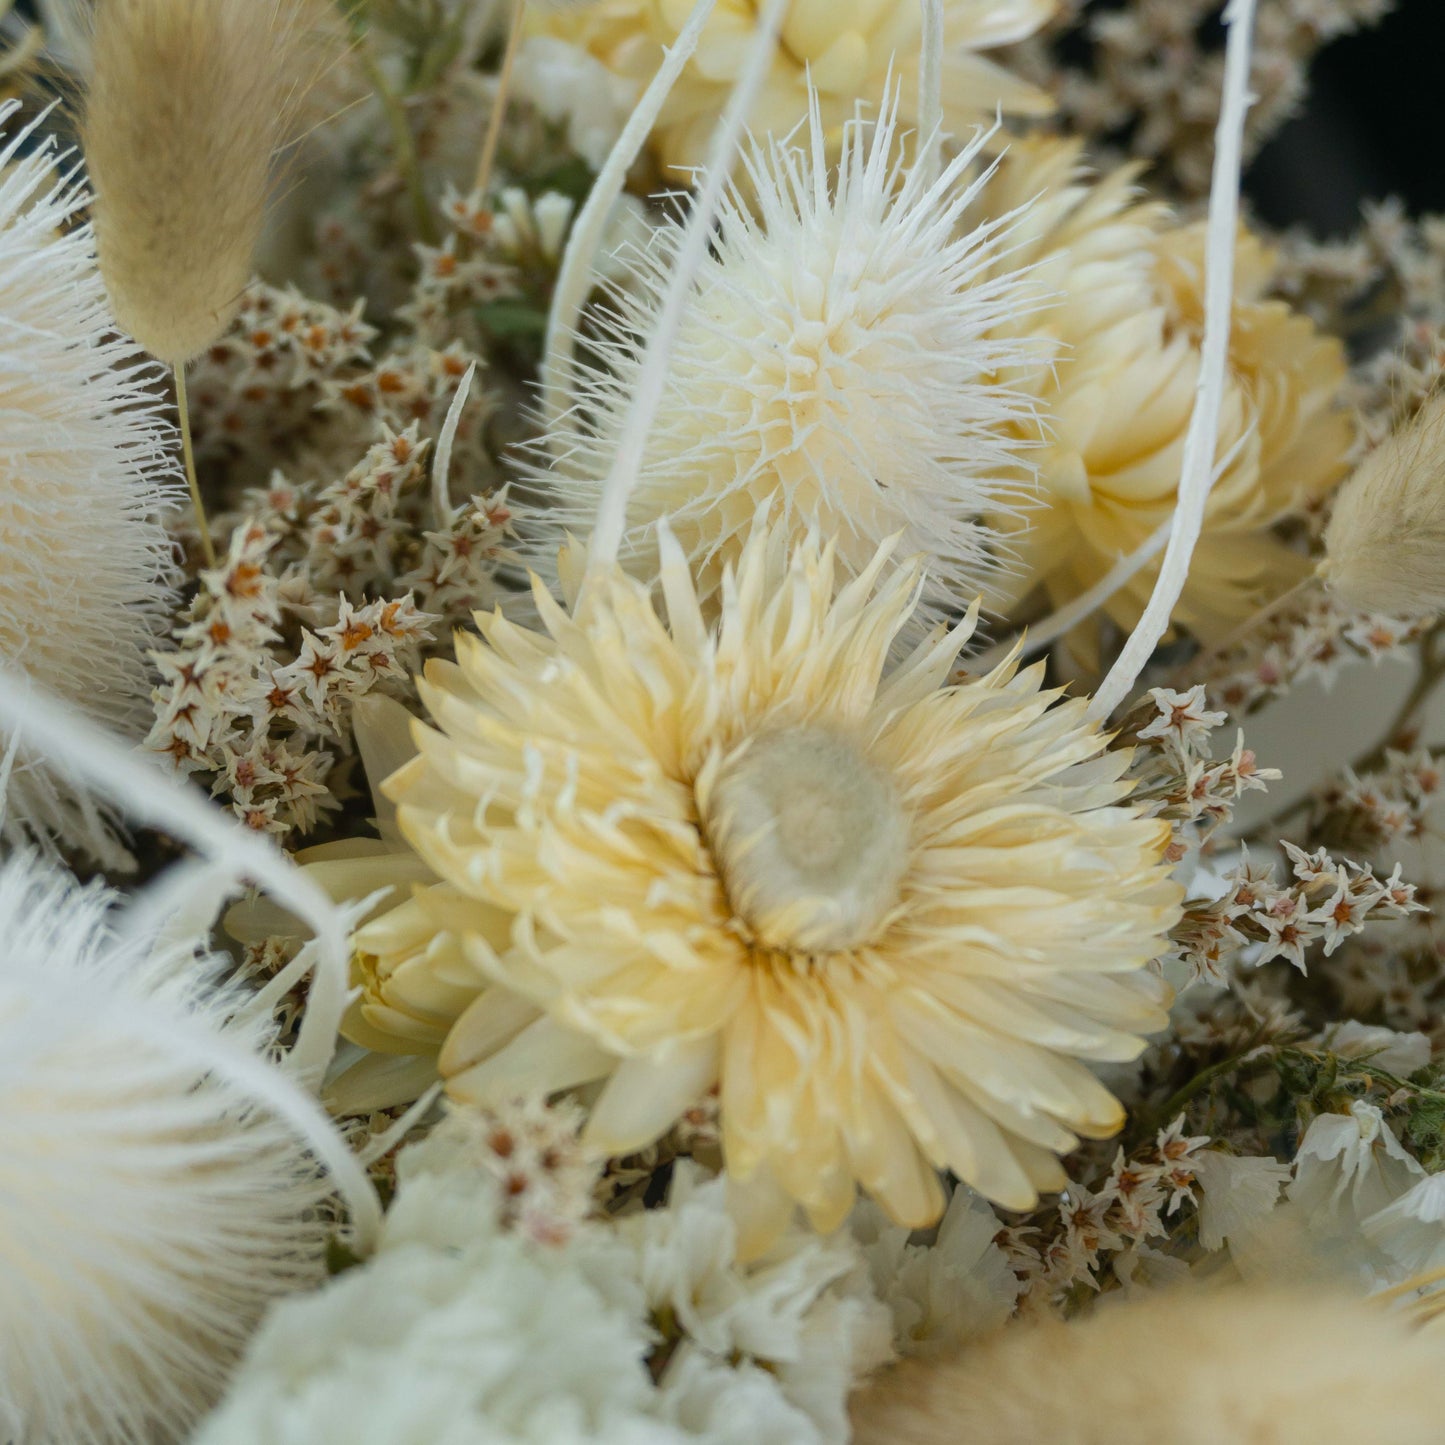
(1342,284)
(1176,775)
(260,384)
(374,535)
(261,701)
(1400,984)
(1155,74)
(1383,807)
(529,1156)
(414,386)
(1324,902)
(465,271)
(1092,1234)
(1314,639)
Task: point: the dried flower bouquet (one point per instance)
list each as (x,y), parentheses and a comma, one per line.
(625,637)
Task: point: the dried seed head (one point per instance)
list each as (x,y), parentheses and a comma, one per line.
(188,105)
(810,837)
(1385,543)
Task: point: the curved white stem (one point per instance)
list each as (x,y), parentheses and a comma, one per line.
(1056,624)
(930,92)
(652,376)
(441,465)
(1197,469)
(575,275)
(143,789)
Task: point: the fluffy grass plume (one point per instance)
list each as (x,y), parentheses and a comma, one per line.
(188,104)
(1279,1368)
(1385,544)
(85,567)
(149,1212)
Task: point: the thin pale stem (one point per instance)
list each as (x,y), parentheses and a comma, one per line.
(402,145)
(183,411)
(930,91)
(575,276)
(499,102)
(1432,669)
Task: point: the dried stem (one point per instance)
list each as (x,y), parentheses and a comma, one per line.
(402,144)
(499,101)
(183,412)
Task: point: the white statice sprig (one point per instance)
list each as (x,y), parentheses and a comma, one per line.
(86,570)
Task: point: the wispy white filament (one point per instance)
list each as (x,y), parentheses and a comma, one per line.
(442,463)
(651,378)
(930,90)
(151,795)
(575,275)
(1197,467)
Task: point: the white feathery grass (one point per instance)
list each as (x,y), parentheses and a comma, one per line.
(576,276)
(1385,542)
(833,366)
(86,571)
(160,1181)
(1197,471)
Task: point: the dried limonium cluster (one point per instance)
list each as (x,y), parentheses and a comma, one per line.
(667,851)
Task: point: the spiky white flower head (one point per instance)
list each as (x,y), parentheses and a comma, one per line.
(149,1212)
(85,567)
(833,366)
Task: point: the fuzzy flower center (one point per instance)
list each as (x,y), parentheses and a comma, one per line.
(810,837)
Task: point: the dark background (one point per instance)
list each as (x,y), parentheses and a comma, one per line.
(1374,125)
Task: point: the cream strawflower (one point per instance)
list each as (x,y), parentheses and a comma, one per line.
(846,48)
(834,362)
(1115,406)
(85,565)
(884,915)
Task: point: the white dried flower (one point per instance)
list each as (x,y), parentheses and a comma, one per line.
(148,1212)
(834,365)
(1235,1192)
(1385,543)
(85,567)
(465,1336)
(957,1287)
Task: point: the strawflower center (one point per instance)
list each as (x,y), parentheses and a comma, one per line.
(810,838)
